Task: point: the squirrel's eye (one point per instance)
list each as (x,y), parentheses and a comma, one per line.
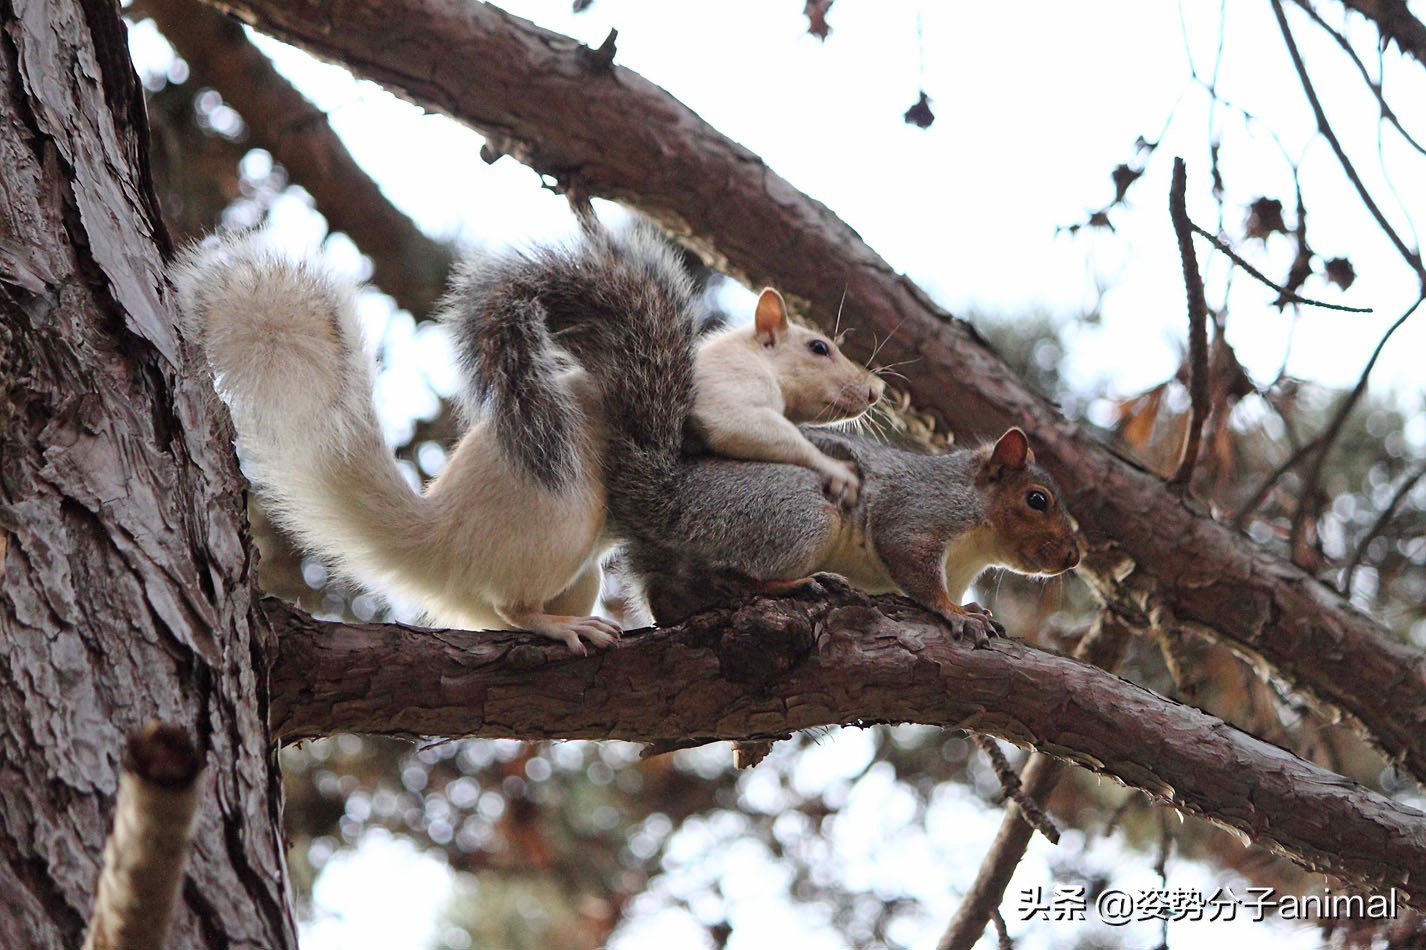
(1037,500)
(820,347)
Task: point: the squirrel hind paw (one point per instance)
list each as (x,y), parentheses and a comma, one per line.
(980,627)
(571,631)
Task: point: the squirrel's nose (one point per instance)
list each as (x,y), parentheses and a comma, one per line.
(1072,557)
(874,391)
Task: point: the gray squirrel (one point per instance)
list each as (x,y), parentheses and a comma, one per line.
(691,526)
(511,532)
(925,525)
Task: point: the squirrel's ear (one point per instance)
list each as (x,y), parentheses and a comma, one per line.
(770,319)
(1011,454)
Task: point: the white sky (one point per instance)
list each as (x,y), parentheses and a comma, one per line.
(1035,104)
(1034,107)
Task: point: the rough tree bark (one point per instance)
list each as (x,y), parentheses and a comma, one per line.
(126,592)
(604,130)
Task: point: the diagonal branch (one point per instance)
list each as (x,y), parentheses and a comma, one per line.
(1104,646)
(411,267)
(835,656)
(1394,22)
(1412,257)
(1375,86)
(1284,296)
(1383,519)
(1312,477)
(1151,556)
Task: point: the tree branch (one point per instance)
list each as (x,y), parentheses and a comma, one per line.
(1197,325)
(1373,85)
(1284,295)
(1313,476)
(617,135)
(411,267)
(1394,22)
(834,656)
(1104,646)
(1383,519)
(1412,257)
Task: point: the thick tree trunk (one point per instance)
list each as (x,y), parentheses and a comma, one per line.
(604,130)
(125,565)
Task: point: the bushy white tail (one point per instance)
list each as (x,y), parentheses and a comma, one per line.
(287,354)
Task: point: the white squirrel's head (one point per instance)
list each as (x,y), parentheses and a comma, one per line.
(819,383)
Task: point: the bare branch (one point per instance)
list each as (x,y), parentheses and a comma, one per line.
(1287,465)
(1284,295)
(1383,519)
(410,266)
(1412,257)
(1104,647)
(1313,475)
(1387,112)
(834,656)
(1010,783)
(1197,325)
(1394,22)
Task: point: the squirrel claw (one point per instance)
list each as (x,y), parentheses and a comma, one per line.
(975,623)
(841,484)
(573,631)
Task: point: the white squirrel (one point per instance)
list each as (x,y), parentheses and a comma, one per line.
(488,544)
(752,385)
(510,534)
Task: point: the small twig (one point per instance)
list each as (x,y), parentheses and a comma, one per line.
(1285,295)
(1387,112)
(1197,325)
(1334,427)
(1379,525)
(406,263)
(1104,646)
(1287,465)
(600,59)
(1161,866)
(1010,782)
(1413,258)
(1002,934)
(148,848)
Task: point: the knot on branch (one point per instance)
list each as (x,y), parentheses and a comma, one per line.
(763,640)
(600,59)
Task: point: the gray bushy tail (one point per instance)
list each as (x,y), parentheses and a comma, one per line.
(514,375)
(623,307)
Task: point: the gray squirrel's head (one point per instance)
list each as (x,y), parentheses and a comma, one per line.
(1033,532)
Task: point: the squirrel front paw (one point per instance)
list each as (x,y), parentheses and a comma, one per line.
(973,621)
(840,482)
